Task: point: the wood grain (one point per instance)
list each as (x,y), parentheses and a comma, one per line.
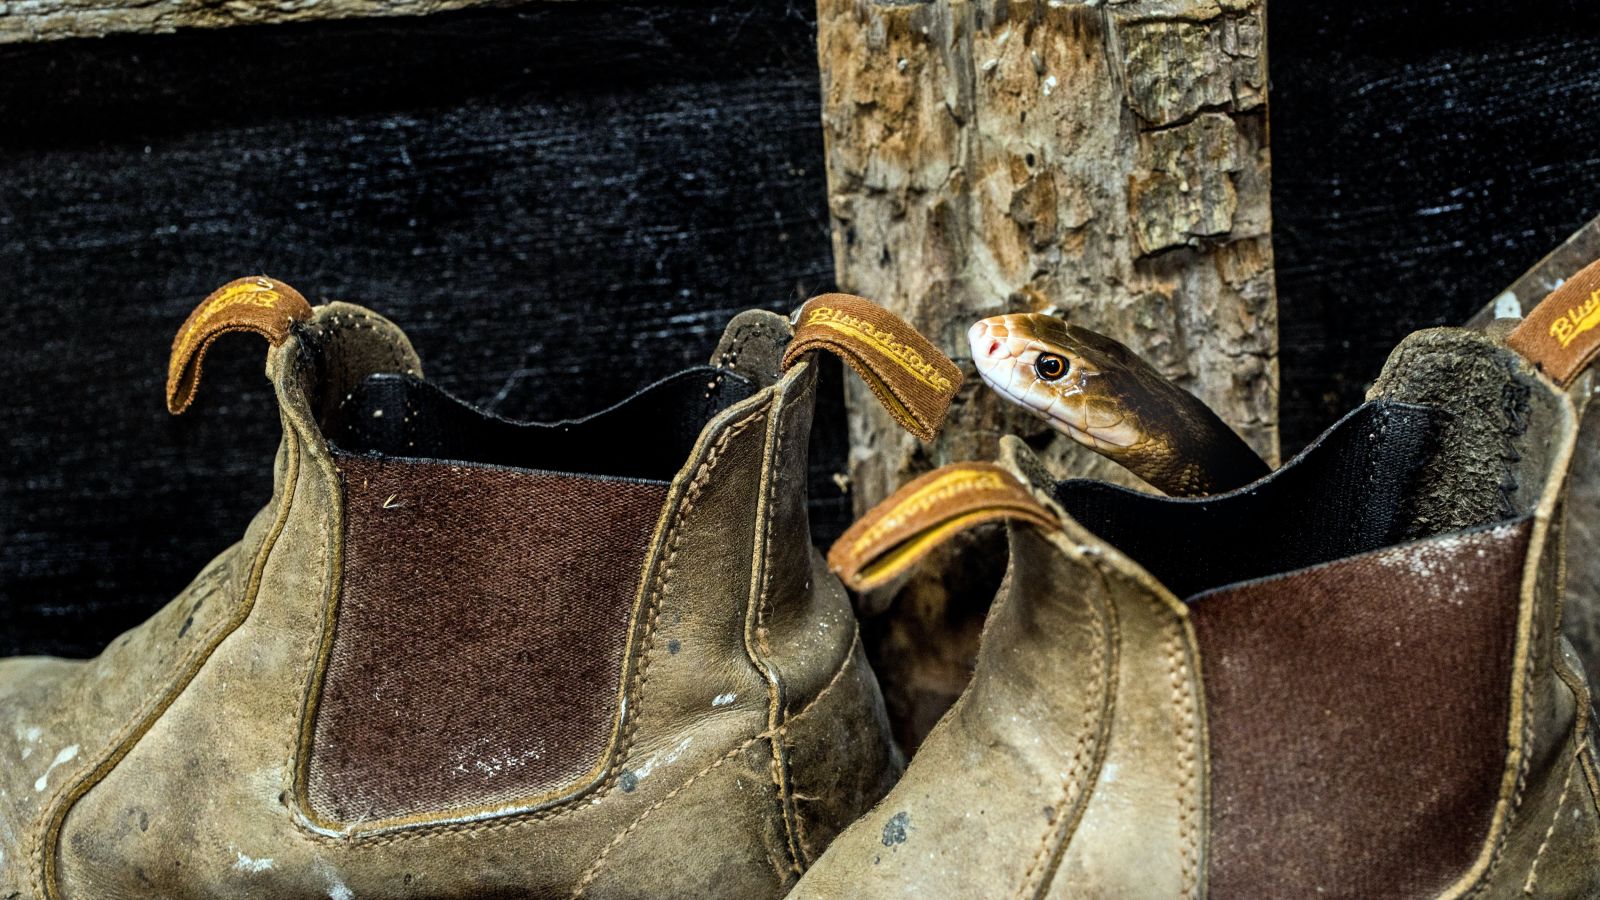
(50,20)
(1107,163)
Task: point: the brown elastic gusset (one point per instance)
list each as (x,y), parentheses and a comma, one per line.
(913,380)
(920,516)
(1375,717)
(256,304)
(481,631)
(1562,334)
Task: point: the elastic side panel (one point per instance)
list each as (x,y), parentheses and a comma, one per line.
(481,630)
(1344,494)
(1358,716)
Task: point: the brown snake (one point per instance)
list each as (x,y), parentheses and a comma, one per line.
(1104,396)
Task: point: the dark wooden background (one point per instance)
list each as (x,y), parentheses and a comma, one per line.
(1425,153)
(563,201)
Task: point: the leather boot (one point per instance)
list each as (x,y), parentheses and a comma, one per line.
(1343,680)
(458,656)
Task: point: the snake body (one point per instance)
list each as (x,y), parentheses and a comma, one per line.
(1104,396)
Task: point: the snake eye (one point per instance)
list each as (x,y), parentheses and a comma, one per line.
(1050,366)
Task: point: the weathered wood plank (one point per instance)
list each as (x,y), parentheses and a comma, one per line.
(50,20)
(1107,162)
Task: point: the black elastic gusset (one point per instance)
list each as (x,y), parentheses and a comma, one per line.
(645,437)
(1347,493)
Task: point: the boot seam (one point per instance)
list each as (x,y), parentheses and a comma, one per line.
(1520,734)
(1555,819)
(760,652)
(621,836)
(1507,820)
(52,821)
(616,756)
(1086,755)
(1183,673)
(1580,740)
(1586,759)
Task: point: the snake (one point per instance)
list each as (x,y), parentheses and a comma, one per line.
(1106,397)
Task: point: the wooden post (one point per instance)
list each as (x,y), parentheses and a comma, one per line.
(52,20)
(1104,161)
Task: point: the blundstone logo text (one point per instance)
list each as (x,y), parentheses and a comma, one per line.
(882,340)
(258,293)
(940,490)
(1575,321)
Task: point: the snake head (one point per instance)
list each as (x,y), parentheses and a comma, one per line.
(1066,375)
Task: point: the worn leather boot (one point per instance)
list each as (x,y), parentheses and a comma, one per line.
(1343,680)
(458,656)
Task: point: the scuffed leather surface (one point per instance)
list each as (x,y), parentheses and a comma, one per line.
(61,719)
(208,801)
(1071,766)
(1522,753)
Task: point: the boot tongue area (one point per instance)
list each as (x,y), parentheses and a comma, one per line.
(645,437)
(364,385)
(1349,492)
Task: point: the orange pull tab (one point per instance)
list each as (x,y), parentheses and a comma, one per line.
(902,529)
(257,303)
(911,378)
(1562,334)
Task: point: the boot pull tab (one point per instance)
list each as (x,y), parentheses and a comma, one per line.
(1561,336)
(910,377)
(257,303)
(920,516)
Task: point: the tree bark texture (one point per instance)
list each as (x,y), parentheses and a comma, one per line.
(47,20)
(1102,161)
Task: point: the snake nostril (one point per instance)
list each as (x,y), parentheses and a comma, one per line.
(988,341)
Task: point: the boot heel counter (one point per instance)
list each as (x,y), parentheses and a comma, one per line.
(842,759)
(833,753)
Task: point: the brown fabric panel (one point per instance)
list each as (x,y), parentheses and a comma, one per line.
(480,637)
(1357,715)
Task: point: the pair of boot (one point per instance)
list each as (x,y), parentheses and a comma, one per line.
(458,656)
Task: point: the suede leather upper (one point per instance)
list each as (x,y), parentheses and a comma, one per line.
(1120,739)
(749,729)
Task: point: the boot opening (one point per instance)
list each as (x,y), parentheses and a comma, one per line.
(646,437)
(490,570)
(1350,492)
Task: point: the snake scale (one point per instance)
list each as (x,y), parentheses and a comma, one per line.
(1104,396)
